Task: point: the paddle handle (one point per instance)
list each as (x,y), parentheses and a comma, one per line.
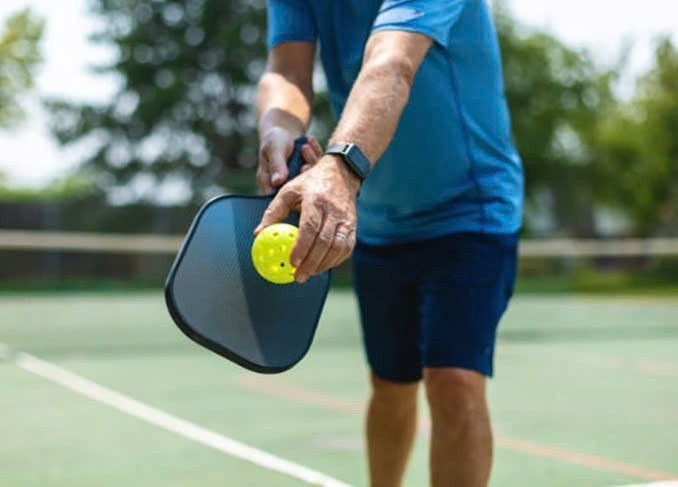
(296,160)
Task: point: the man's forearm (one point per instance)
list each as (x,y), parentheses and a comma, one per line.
(373,110)
(281,102)
(284,98)
(380,93)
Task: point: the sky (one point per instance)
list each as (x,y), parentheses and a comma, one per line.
(29,156)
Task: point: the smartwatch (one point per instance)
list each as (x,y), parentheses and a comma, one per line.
(353,157)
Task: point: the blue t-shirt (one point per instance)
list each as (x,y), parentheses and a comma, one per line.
(452,166)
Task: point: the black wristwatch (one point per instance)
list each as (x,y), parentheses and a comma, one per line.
(353,157)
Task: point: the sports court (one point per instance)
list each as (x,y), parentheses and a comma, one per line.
(585,394)
(489,120)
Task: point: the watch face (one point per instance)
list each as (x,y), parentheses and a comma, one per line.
(353,157)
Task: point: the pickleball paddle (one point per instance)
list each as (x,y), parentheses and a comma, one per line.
(216,297)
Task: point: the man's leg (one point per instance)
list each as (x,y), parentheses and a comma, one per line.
(464,293)
(391,428)
(461,435)
(389,311)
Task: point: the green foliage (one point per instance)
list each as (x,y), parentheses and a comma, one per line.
(638,149)
(184,110)
(19,56)
(556,95)
(69,187)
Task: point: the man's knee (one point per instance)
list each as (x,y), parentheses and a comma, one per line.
(393,394)
(455,396)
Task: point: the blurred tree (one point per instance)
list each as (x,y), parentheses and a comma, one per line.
(638,149)
(183,113)
(19,56)
(69,187)
(556,95)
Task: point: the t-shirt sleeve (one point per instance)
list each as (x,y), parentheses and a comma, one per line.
(433,18)
(290,20)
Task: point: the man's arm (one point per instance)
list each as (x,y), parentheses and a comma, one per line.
(284,100)
(381,91)
(327,192)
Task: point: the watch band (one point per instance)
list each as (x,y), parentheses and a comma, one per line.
(353,157)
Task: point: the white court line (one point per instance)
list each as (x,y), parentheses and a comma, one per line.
(165,420)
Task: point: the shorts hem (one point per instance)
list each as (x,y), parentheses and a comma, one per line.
(394,379)
(483,370)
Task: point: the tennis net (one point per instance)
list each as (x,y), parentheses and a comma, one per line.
(29,255)
(169,244)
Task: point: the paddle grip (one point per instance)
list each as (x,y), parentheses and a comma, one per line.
(296,160)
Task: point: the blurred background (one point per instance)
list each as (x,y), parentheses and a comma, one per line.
(123,116)
(118,118)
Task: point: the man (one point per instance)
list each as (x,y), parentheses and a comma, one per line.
(418,93)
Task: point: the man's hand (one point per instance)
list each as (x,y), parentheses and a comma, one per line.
(326,195)
(276,147)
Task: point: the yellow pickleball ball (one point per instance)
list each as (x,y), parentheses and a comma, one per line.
(271,253)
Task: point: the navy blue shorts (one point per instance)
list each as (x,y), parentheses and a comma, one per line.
(434,303)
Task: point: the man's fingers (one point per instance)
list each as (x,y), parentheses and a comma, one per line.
(313,142)
(284,202)
(309,154)
(310,223)
(273,170)
(274,160)
(335,254)
(342,247)
(278,168)
(322,245)
(263,180)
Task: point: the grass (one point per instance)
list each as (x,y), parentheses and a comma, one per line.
(585,394)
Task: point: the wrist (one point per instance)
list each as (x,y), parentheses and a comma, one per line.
(350,178)
(353,157)
(271,131)
(276,121)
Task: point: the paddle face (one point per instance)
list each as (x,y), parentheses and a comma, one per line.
(217,298)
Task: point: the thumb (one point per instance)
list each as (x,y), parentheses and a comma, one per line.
(278,165)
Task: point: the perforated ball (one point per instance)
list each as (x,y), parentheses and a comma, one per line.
(271,253)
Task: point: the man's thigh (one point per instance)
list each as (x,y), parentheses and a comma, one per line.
(434,303)
(388,296)
(463,295)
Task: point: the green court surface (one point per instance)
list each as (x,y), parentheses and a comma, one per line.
(586,394)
